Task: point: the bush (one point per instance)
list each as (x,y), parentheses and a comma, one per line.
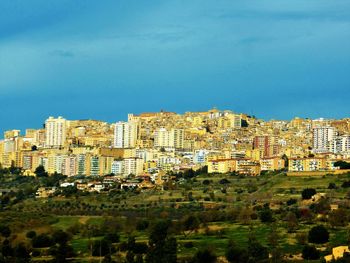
(188,244)
(332,186)
(235,254)
(113,237)
(345,184)
(204,256)
(206,182)
(224,181)
(142,225)
(310,252)
(101,247)
(292,201)
(42,240)
(265,215)
(308,193)
(318,235)
(31,234)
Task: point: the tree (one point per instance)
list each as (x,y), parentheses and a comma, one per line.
(40,171)
(318,235)
(234,254)
(189,224)
(101,247)
(204,256)
(142,225)
(41,241)
(60,237)
(286,161)
(338,217)
(332,186)
(21,252)
(292,201)
(245,215)
(5,231)
(162,249)
(310,252)
(31,234)
(113,237)
(292,222)
(274,241)
(342,165)
(257,252)
(6,249)
(265,215)
(61,252)
(345,184)
(308,193)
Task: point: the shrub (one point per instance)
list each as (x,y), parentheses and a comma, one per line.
(42,240)
(31,234)
(310,252)
(308,193)
(318,235)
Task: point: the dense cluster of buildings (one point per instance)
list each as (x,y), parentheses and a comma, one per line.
(163,142)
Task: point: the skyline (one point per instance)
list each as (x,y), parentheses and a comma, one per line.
(124,119)
(88,60)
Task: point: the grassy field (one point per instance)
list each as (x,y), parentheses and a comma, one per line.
(201,194)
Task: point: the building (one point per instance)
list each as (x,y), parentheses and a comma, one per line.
(55,132)
(340,144)
(125,134)
(266,145)
(271,164)
(133,166)
(173,138)
(118,167)
(311,164)
(69,165)
(322,136)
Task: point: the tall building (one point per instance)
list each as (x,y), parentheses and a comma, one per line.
(133,166)
(125,134)
(322,136)
(55,132)
(11,134)
(340,144)
(267,146)
(169,139)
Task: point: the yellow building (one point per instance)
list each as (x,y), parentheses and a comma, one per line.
(272,164)
(221,165)
(310,164)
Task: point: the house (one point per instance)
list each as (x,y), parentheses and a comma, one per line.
(337,252)
(44,192)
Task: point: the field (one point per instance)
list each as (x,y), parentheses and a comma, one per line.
(217,200)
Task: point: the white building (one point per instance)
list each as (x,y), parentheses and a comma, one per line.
(125,134)
(322,136)
(69,166)
(340,144)
(117,167)
(55,132)
(133,166)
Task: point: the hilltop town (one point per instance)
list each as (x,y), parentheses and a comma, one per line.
(155,144)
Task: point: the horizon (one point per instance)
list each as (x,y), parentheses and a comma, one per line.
(23,129)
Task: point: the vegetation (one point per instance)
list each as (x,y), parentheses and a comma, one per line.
(196,218)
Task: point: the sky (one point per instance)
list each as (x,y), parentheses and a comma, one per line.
(88,59)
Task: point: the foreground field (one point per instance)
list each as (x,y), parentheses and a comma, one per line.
(227,209)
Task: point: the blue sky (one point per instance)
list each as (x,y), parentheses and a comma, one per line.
(103,59)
